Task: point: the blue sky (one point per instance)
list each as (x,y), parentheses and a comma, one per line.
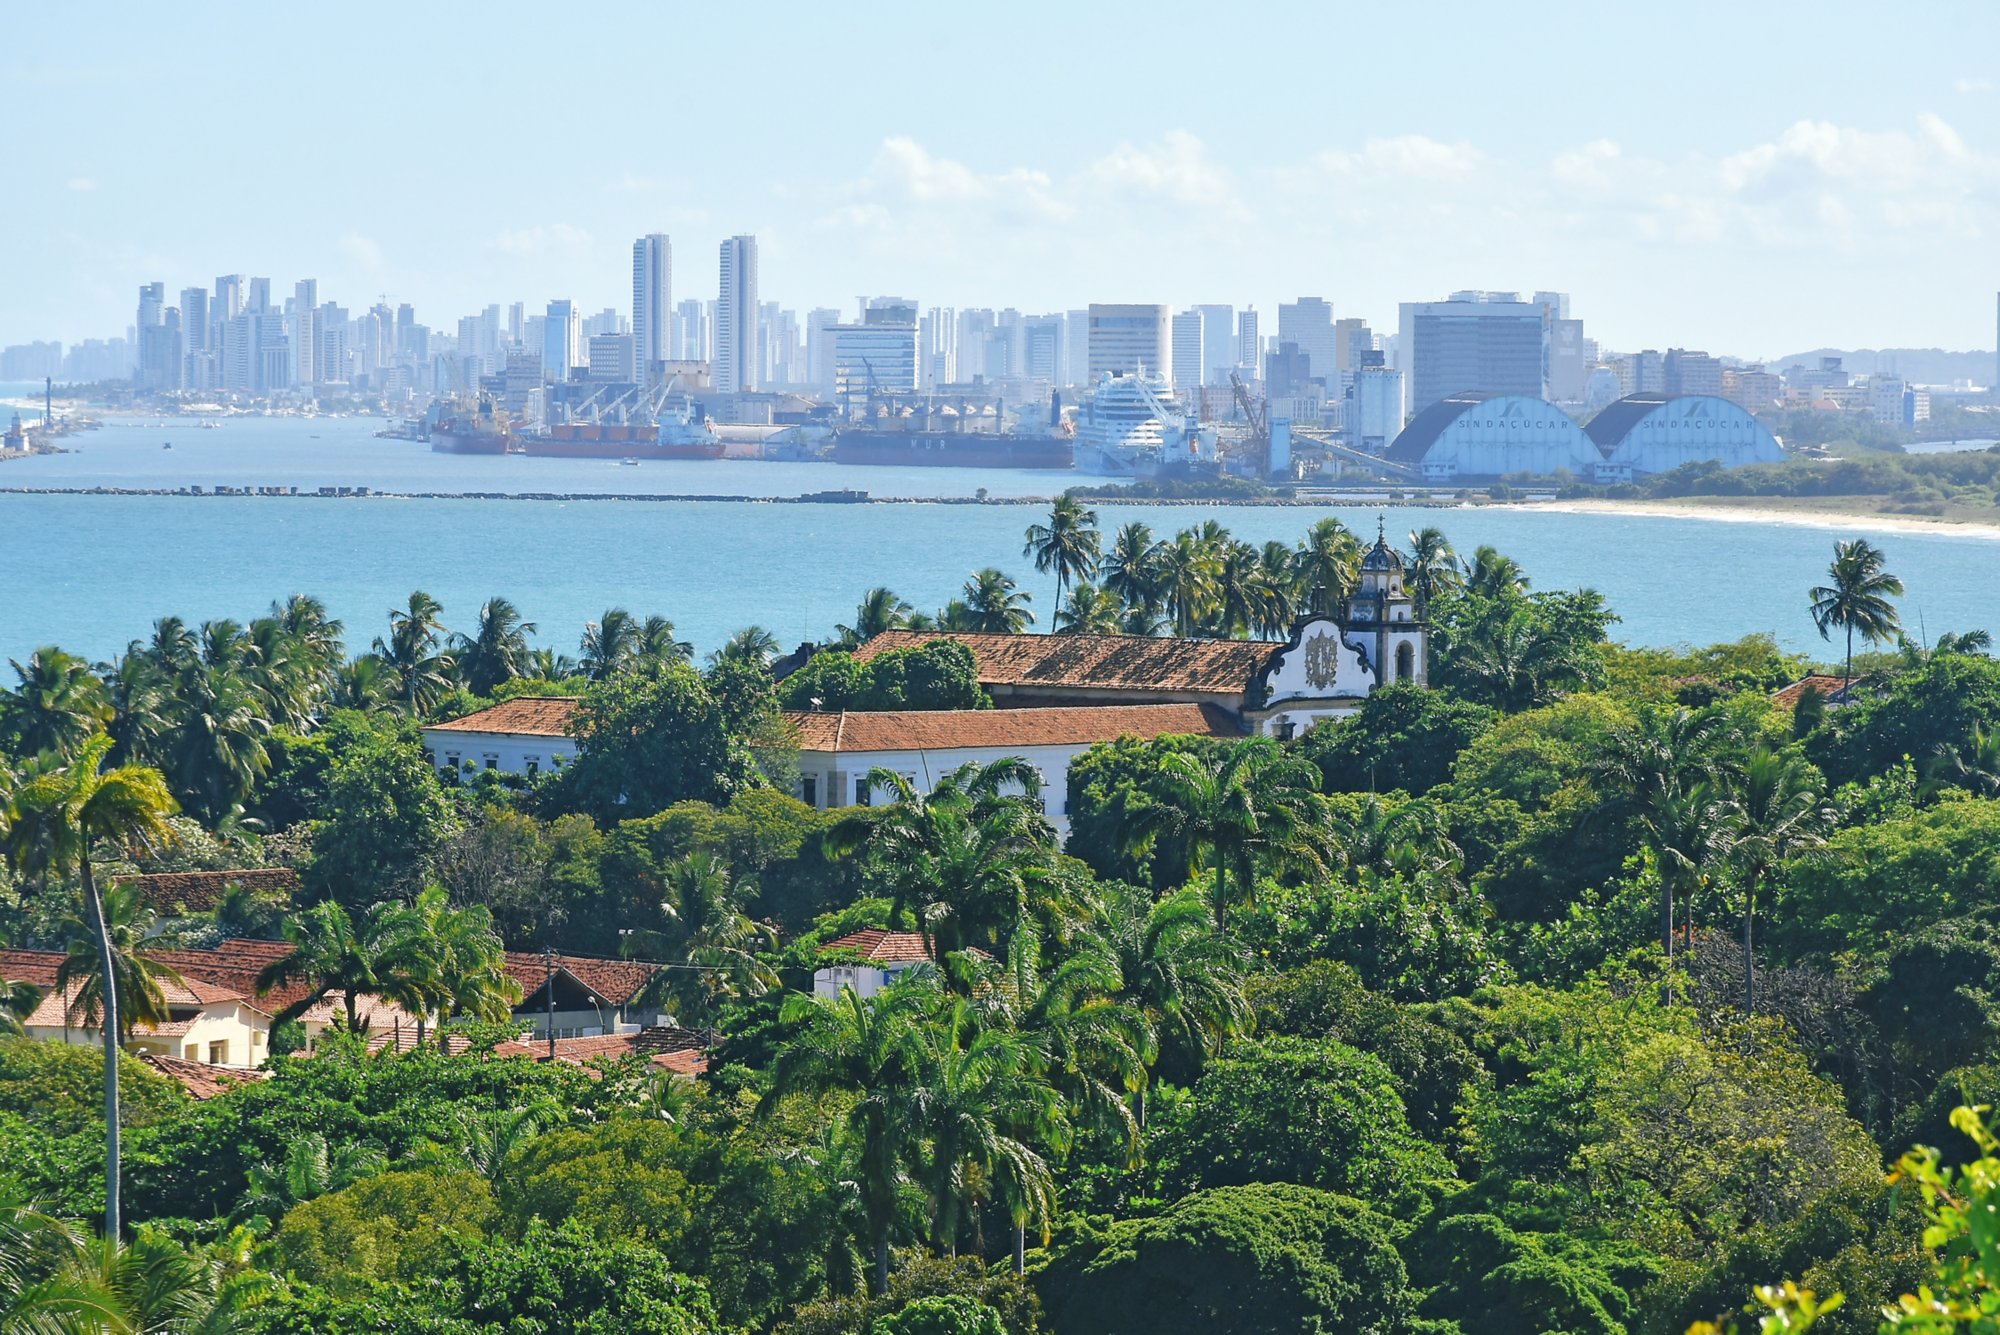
(1748,178)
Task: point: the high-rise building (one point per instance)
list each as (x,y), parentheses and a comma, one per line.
(1374,415)
(1351,338)
(652,300)
(692,332)
(736,317)
(562,341)
(1308,322)
(937,344)
(1692,372)
(1249,343)
(1218,343)
(614,357)
(305,331)
(879,355)
(1127,338)
(1042,348)
(1076,347)
(1186,359)
(257,297)
(1490,341)
(1642,373)
(159,358)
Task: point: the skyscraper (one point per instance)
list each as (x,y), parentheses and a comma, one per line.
(305,326)
(652,300)
(562,341)
(1249,343)
(1308,322)
(1491,341)
(736,317)
(1186,358)
(1125,339)
(1218,343)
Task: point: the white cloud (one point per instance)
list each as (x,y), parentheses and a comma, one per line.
(359,251)
(1590,165)
(1974,85)
(541,238)
(1178,169)
(908,173)
(1413,156)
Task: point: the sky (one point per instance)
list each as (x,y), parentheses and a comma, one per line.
(1750,179)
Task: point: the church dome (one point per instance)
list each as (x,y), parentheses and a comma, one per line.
(1382,557)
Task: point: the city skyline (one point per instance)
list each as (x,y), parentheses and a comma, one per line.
(1689,191)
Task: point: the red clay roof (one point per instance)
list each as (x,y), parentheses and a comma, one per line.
(1832,689)
(200,891)
(617,981)
(881,947)
(199,1079)
(947,729)
(527,716)
(665,1046)
(31,966)
(1105,662)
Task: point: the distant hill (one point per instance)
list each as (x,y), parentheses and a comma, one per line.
(1923,366)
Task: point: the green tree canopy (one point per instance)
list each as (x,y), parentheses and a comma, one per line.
(651,737)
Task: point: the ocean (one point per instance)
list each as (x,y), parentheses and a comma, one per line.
(91,572)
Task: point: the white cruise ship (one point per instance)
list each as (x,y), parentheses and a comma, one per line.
(1131,425)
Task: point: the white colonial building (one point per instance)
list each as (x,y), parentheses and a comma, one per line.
(525,735)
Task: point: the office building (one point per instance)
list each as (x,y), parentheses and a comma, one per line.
(614,358)
(1351,339)
(877,356)
(1042,348)
(736,317)
(1187,352)
(1692,373)
(1642,373)
(305,331)
(562,341)
(257,298)
(197,339)
(1308,322)
(1287,371)
(652,302)
(1249,344)
(691,332)
(1752,387)
(1218,343)
(1489,343)
(1127,339)
(1076,347)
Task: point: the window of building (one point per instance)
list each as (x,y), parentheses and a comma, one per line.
(492,762)
(192,1052)
(218,1052)
(809,790)
(534,766)
(450,767)
(862,793)
(1287,729)
(1406,661)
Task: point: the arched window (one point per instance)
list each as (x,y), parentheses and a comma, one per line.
(1406,661)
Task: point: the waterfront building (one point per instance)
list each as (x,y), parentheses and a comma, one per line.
(520,736)
(1642,373)
(1308,324)
(736,317)
(562,341)
(1483,435)
(1374,405)
(1185,369)
(877,356)
(1645,434)
(652,301)
(1489,343)
(1752,387)
(1076,348)
(1351,339)
(1127,338)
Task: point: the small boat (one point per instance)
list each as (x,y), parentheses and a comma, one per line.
(168,446)
(628,462)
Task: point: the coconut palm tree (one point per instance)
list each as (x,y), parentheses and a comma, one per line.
(17,1002)
(864,1053)
(1780,811)
(752,644)
(56,705)
(1328,563)
(1278,579)
(1129,571)
(656,642)
(1252,803)
(457,963)
(1517,661)
(610,644)
(1091,611)
(1185,579)
(1068,546)
(415,651)
(136,686)
(382,954)
(315,637)
(55,821)
(311,1168)
(711,933)
(1493,575)
(1973,765)
(1180,974)
(1431,566)
(879,610)
(140,982)
(366,683)
(1242,598)
(218,747)
(1857,598)
(995,604)
(44,1284)
(497,649)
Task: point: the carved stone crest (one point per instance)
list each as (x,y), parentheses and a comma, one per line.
(1322,660)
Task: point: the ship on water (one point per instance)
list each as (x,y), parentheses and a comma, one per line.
(1132,426)
(475,427)
(931,437)
(659,425)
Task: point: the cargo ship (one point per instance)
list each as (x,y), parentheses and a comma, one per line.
(951,449)
(476,428)
(676,434)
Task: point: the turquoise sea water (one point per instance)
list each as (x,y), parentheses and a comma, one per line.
(91,572)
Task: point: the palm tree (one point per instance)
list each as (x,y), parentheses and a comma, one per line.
(1278,579)
(879,610)
(1431,567)
(1068,545)
(864,1052)
(1410,838)
(497,649)
(57,704)
(1973,765)
(656,642)
(311,1168)
(381,955)
(54,821)
(1857,599)
(1690,832)
(366,683)
(1185,578)
(752,644)
(313,635)
(458,964)
(1329,564)
(1091,611)
(1517,661)
(139,981)
(995,605)
(1492,575)
(712,934)
(17,1002)
(609,643)
(1241,596)
(218,751)
(414,650)
(1254,801)
(44,1285)
(1184,977)
(136,686)
(1129,571)
(1780,811)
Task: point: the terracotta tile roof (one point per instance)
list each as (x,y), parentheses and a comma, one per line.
(527,716)
(54,1006)
(235,964)
(881,947)
(375,1013)
(1105,662)
(617,981)
(199,1079)
(200,891)
(666,1046)
(1835,690)
(31,966)
(947,729)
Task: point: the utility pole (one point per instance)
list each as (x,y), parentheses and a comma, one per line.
(549,982)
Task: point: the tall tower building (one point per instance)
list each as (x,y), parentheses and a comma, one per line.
(1218,343)
(1249,342)
(1482,341)
(1308,322)
(652,301)
(1125,339)
(305,330)
(562,341)
(736,317)
(1186,357)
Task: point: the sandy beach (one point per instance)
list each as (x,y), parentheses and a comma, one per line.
(1758,511)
